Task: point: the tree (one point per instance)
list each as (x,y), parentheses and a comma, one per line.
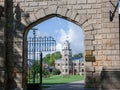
(46,59)
(50,58)
(45,73)
(78,55)
(35,68)
(57,72)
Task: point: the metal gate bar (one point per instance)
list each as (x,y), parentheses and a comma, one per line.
(36,45)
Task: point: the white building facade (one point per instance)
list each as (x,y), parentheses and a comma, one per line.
(69,65)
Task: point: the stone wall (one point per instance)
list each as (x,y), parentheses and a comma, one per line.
(2,46)
(97,18)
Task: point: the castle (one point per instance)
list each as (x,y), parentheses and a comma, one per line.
(69,65)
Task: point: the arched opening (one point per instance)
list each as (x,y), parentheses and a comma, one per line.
(71,34)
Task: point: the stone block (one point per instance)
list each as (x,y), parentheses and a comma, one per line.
(95,63)
(91,1)
(89,37)
(59,10)
(29,0)
(89,47)
(87,6)
(17,59)
(23,21)
(40,13)
(91,11)
(27,9)
(23,4)
(98,47)
(89,74)
(42,3)
(90,69)
(2,79)
(73,15)
(69,13)
(18,44)
(116,63)
(64,11)
(96,6)
(97,77)
(52,3)
(89,79)
(83,11)
(81,1)
(88,28)
(18,77)
(110,78)
(88,42)
(21,0)
(77,7)
(2,62)
(71,2)
(89,64)
(33,4)
(98,68)
(85,24)
(107,63)
(32,17)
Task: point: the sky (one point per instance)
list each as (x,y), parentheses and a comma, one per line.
(61,30)
(119,6)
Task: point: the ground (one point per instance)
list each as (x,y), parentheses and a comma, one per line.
(56,79)
(79,85)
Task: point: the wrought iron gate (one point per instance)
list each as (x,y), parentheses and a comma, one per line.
(36,45)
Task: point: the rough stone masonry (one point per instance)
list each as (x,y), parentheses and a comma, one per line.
(99,20)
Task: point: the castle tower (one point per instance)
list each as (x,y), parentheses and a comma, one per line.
(66,59)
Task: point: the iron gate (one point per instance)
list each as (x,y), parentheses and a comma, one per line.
(36,45)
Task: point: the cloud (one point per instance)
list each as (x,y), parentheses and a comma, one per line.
(119,10)
(39,34)
(75,37)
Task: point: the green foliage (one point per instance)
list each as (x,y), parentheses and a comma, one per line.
(45,73)
(35,68)
(57,72)
(50,58)
(78,55)
(46,58)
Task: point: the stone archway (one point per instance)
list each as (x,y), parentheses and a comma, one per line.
(98,19)
(82,21)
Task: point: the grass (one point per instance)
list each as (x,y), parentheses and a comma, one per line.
(62,79)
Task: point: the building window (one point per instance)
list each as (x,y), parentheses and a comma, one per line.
(74,64)
(66,64)
(82,64)
(82,70)
(66,59)
(58,64)
(65,70)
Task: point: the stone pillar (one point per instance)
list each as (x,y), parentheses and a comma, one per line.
(110,78)
(9,36)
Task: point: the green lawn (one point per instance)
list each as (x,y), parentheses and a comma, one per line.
(61,79)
